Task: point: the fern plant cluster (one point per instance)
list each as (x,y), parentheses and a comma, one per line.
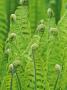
(33,45)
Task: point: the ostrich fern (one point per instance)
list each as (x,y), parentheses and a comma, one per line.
(35,70)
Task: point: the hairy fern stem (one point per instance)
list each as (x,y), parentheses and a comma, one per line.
(33,57)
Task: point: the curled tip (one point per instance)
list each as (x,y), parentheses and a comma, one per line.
(7,51)
(12,36)
(16,63)
(58,67)
(13,17)
(40,27)
(34,46)
(50,12)
(11,68)
(54,31)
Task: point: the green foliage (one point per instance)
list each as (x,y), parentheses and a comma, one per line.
(3,35)
(58,6)
(62,27)
(64,6)
(13,5)
(34,47)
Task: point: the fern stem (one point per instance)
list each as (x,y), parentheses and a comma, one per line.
(48,28)
(18,80)
(33,57)
(11,81)
(56,81)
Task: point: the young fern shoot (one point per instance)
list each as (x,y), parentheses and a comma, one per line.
(16,64)
(11,70)
(40,28)
(54,32)
(34,47)
(13,18)
(58,70)
(50,14)
(11,37)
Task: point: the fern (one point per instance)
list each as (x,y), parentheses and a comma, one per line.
(7,83)
(62,27)
(3,34)
(29,73)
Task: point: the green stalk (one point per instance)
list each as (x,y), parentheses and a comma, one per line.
(33,57)
(49,26)
(56,81)
(18,80)
(11,82)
